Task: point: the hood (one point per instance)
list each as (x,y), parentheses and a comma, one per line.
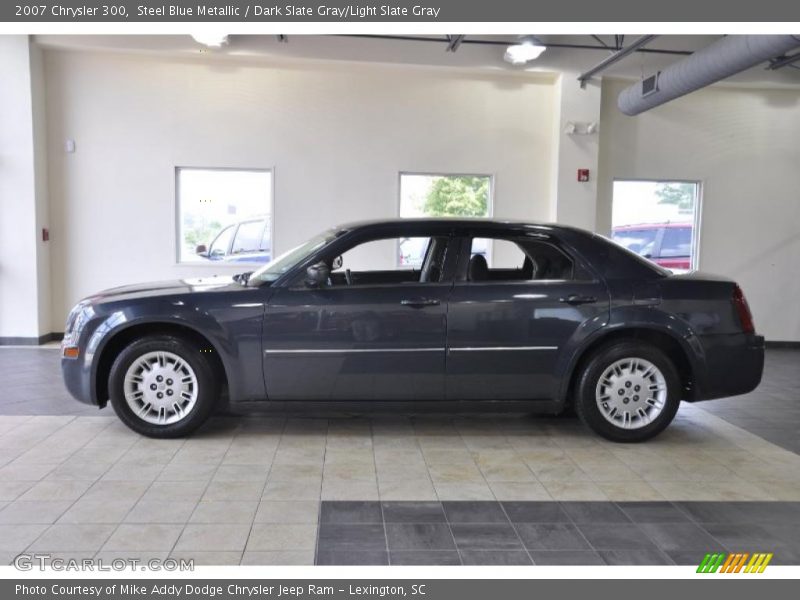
(167,288)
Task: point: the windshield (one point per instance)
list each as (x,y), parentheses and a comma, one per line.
(277,267)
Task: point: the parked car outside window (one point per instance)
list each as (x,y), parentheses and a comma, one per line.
(666,244)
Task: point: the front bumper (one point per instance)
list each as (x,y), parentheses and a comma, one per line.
(734,365)
(78,379)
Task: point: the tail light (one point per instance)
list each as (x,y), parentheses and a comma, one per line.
(743,310)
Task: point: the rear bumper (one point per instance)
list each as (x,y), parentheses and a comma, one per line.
(734,365)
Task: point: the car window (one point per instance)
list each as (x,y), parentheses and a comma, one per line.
(517,260)
(391,260)
(640,241)
(248,237)
(219,247)
(677,242)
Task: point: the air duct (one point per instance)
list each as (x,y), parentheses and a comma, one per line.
(724,58)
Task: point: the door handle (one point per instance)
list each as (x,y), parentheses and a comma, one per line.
(420,302)
(576,299)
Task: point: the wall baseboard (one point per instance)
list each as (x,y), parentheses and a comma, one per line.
(31,341)
(776,344)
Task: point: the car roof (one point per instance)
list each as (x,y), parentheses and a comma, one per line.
(455,223)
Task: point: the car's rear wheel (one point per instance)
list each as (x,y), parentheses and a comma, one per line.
(628,391)
(162,386)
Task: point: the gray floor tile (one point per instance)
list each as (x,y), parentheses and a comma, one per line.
(604,536)
(642,557)
(535,512)
(679,537)
(333,536)
(485,536)
(413,512)
(419,536)
(496,557)
(594,512)
(653,512)
(350,512)
(474,512)
(352,557)
(566,557)
(551,536)
(424,557)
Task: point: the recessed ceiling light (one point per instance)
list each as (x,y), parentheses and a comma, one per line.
(526,51)
(212,40)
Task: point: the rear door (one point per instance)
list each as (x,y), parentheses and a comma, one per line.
(508,324)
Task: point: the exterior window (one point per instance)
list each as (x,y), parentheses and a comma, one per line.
(658,220)
(224,215)
(440,195)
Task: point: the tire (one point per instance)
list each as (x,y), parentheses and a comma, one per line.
(186,375)
(602,406)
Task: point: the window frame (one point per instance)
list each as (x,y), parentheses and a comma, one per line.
(176,191)
(694,259)
(489,203)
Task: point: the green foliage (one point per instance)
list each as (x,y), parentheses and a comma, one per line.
(458,197)
(198,232)
(679,194)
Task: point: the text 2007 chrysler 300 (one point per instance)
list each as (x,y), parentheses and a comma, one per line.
(564,317)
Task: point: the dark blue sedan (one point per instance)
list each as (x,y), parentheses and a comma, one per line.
(543,314)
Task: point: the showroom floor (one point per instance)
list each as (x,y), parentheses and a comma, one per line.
(378,488)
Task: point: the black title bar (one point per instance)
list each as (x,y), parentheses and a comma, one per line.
(310,11)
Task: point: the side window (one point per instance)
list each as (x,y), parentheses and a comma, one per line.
(376,262)
(517,260)
(677,242)
(248,237)
(219,247)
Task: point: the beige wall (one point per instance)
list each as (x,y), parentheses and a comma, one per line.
(742,144)
(337,137)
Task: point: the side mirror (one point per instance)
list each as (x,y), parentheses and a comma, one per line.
(201,249)
(337,263)
(317,274)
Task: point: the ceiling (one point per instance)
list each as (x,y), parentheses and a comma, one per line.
(575,53)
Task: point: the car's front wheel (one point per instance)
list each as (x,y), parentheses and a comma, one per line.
(162,386)
(628,391)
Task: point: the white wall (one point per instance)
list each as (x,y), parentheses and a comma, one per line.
(20,243)
(337,137)
(743,145)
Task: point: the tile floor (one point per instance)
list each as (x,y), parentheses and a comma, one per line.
(75,482)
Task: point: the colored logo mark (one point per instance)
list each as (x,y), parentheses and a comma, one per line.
(739,562)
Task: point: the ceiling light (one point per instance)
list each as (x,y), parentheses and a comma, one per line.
(525,51)
(212,40)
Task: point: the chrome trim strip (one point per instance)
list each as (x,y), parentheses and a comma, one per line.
(351,350)
(500,348)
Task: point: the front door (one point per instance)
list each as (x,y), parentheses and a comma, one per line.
(375,331)
(513,310)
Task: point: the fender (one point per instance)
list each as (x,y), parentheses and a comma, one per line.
(236,358)
(622,318)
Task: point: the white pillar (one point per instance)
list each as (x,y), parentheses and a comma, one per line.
(573,202)
(24,257)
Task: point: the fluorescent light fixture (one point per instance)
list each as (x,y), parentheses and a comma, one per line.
(527,50)
(212,40)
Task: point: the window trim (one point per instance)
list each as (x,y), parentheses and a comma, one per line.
(234,266)
(696,222)
(399,193)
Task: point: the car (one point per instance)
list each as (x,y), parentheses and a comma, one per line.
(571,320)
(242,242)
(666,244)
